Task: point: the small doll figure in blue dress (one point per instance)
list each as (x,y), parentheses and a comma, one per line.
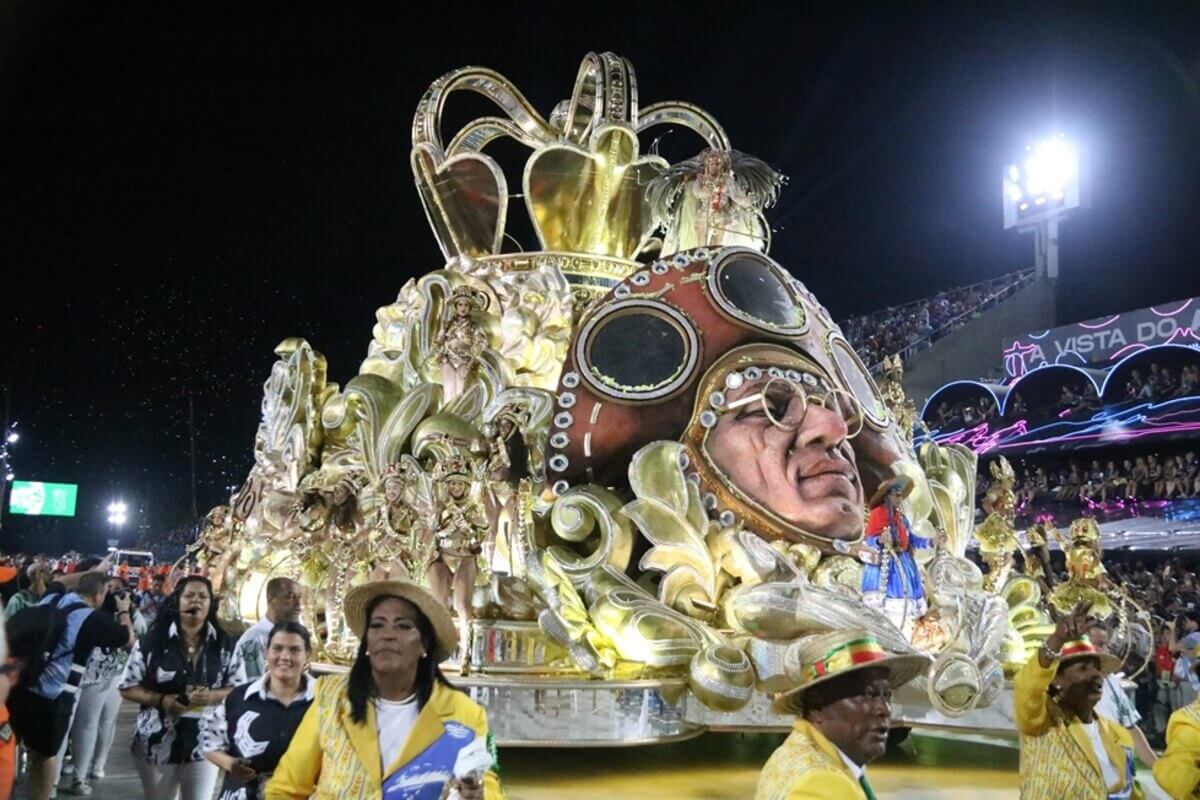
(892,582)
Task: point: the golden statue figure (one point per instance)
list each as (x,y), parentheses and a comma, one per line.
(461,340)
(460,532)
(899,404)
(1087,581)
(1036,556)
(997,535)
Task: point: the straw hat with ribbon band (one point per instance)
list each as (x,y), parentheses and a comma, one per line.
(838,653)
(900,483)
(360,598)
(1083,648)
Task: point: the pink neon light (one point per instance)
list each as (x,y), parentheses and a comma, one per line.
(1135,346)
(1177,428)
(1186,303)
(1100,325)
(1181,333)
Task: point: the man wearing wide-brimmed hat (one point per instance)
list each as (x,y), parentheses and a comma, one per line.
(893,581)
(1068,752)
(844,708)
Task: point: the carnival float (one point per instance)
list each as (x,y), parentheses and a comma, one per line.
(641,463)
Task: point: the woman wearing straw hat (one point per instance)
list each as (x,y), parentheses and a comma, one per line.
(393,725)
(1067,751)
(891,581)
(844,706)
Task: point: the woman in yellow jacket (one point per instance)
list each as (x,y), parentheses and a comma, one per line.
(1178,770)
(1067,752)
(393,726)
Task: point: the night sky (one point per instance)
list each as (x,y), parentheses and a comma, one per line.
(180,193)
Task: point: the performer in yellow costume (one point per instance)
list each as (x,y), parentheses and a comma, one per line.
(1178,769)
(1067,752)
(844,704)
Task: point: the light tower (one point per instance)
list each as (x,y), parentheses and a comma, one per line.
(1040,189)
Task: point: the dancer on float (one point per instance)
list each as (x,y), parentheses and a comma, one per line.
(843,708)
(892,582)
(1067,751)
(246,735)
(393,723)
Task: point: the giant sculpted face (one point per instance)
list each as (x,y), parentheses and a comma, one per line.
(779,445)
(783,429)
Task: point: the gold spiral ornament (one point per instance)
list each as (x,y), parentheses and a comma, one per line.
(721,677)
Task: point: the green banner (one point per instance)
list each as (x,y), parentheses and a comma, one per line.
(37,498)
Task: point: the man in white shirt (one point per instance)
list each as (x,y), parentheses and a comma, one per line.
(283,605)
(1114,702)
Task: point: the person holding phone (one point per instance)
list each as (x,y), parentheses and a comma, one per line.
(99,702)
(183,664)
(249,732)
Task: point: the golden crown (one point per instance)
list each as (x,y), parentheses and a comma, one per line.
(584,184)
(454,466)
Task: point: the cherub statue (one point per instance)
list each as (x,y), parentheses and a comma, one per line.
(715,199)
(460,341)
(460,531)
(997,535)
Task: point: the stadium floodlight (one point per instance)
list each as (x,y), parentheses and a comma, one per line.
(117,513)
(13,437)
(1039,190)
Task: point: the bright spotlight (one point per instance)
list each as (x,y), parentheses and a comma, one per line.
(1043,185)
(118,513)
(14,437)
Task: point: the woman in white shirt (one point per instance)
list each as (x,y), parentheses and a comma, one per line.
(393,724)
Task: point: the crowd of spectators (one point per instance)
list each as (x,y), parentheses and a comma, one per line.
(67,718)
(895,330)
(1161,383)
(1166,590)
(1124,481)
(1074,398)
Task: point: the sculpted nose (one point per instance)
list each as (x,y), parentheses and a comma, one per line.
(822,427)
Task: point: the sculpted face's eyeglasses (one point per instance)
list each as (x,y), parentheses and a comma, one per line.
(776,400)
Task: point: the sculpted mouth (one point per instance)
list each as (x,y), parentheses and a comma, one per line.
(832,465)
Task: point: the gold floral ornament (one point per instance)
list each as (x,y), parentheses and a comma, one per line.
(564,618)
(590,531)
(1029,623)
(950,471)
(671,515)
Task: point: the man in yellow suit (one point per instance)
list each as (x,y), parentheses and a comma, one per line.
(843,701)
(1178,770)
(1067,751)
